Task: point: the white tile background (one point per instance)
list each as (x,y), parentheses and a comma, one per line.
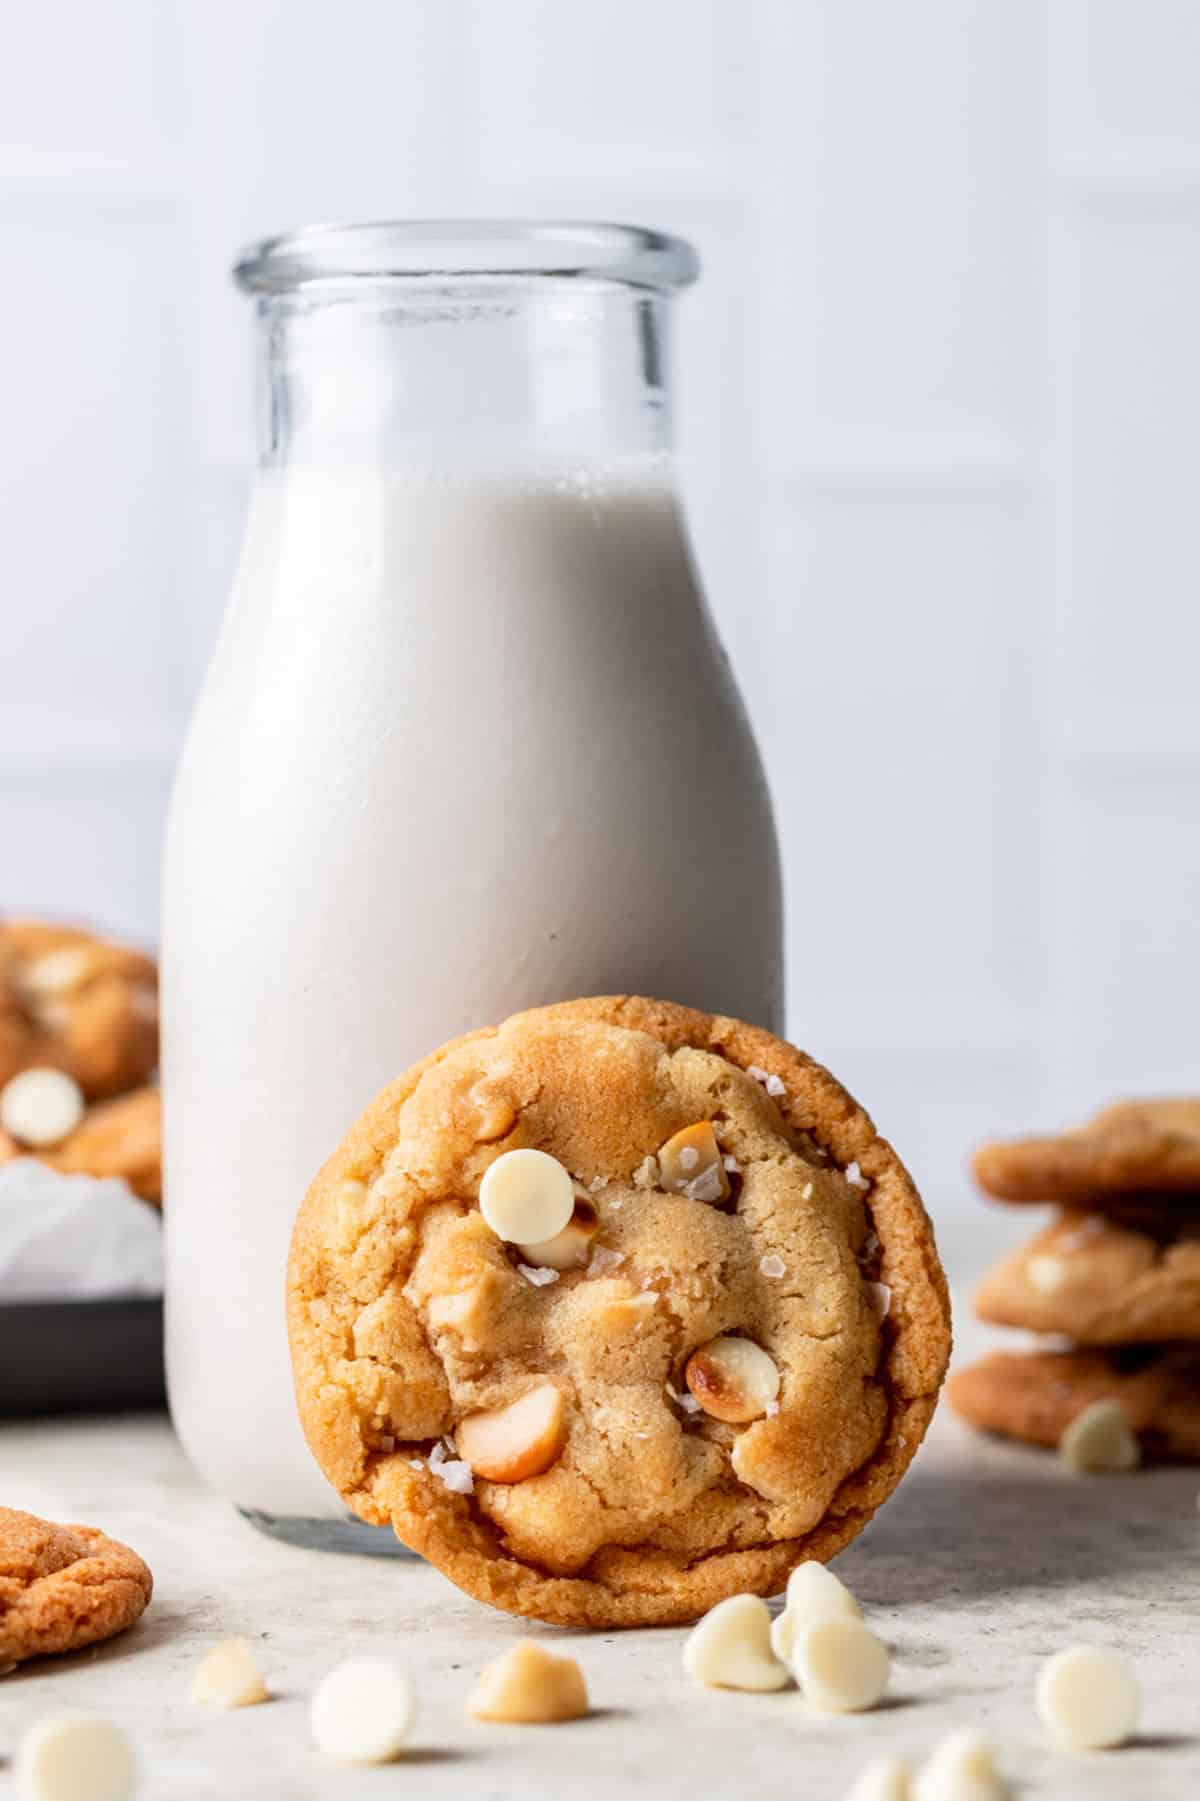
(941,404)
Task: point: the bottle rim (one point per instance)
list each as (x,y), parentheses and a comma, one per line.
(446,251)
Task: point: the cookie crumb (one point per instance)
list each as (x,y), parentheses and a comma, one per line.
(530,1686)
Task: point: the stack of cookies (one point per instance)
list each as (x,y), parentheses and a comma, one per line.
(78,1049)
(1116,1273)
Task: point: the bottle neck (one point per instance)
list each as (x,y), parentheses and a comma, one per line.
(456,376)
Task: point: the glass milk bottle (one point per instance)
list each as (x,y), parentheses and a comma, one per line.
(468,743)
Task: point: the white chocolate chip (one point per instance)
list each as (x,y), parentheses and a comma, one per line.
(362,1711)
(41,1107)
(530,1686)
(73,1756)
(732,1378)
(228,1676)
(731,1647)
(772,1267)
(510,1444)
(813,1593)
(1047,1273)
(1088,1699)
(840,1665)
(526,1197)
(960,1768)
(568,1249)
(884,1779)
(1100,1438)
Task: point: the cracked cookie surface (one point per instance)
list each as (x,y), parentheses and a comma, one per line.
(63,1587)
(409,1316)
(1099,1282)
(72,1001)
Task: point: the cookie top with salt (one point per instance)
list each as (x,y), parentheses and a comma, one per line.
(705,1393)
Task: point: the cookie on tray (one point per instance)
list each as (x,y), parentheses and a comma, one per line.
(1131,1152)
(116,1138)
(1099,1282)
(63,1587)
(72,1001)
(1035,1395)
(719,1365)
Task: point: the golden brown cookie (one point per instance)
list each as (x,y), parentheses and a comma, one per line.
(62,1587)
(116,1138)
(72,1001)
(1034,1395)
(642,1476)
(1131,1154)
(1099,1283)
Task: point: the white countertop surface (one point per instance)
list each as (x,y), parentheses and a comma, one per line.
(987,1560)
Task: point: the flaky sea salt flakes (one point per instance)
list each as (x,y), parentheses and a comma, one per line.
(732,1165)
(387,1443)
(689,1156)
(855,1176)
(757,1074)
(604,1261)
(806,1192)
(774,1086)
(451,1472)
(646,1175)
(880,1297)
(771,1408)
(537,1278)
(688,1402)
(706,1186)
(871,1247)
(772,1266)
(414,1463)
(597,1184)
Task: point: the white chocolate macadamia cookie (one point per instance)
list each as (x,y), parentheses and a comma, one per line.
(585,1307)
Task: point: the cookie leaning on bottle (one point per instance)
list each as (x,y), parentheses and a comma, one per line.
(717,1361)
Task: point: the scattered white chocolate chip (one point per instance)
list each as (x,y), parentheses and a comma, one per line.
(1047,1273)
(772,1266)
(41,1107)
(840,1665)
(1100,1438)
(731,1647)
(510,1444)
(732,1378)
(855,1176)
(960,1768)
(569,1248)
(526,1197)
(75,1756)
(227,1676)
(452,1472)
(884,1779)
(1088,1699)
(880,1297)
(530,1686)
(813,1593)
(362,1711)
(537,1278)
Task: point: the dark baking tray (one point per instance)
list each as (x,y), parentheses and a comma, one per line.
(80,1356)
